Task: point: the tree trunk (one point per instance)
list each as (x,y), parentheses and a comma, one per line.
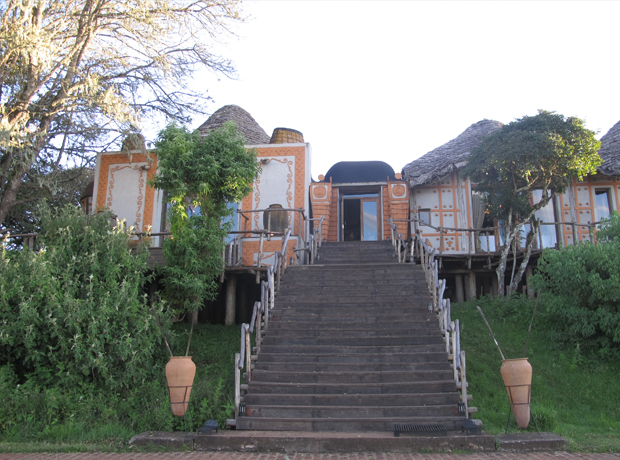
(9,197)
(503,259)
(526,257)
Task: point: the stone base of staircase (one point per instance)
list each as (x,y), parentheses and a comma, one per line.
(317,442)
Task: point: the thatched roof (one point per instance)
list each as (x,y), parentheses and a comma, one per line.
(247,125)
(610,152)
(450,156)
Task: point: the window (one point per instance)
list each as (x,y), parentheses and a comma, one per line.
(602,204)
(424,215)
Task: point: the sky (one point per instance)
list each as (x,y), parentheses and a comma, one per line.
(391,81)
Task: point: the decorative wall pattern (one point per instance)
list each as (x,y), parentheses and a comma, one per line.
(146,195)
(294,195)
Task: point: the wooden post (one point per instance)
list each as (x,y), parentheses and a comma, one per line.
(471,285)
(237,384)
(248,356)
(231,299)
(460,293)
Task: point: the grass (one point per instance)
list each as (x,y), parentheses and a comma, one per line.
(63,421)
(573,396)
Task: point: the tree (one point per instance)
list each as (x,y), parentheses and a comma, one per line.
(72,72)
(36,190)
(542,152)
(201,176)
(75,314)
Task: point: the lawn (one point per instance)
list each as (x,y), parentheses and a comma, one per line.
(572,395)
(53,420)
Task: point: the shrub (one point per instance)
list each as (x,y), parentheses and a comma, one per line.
(609,229)
(581,289)
(74,314)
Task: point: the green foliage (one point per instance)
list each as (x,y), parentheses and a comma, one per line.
(609,229)
(107,419)
(574,396)
(541,152)
(74,314)
(201,175)
(53,189)
(581,290)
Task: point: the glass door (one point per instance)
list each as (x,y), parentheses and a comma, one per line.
(360,217)
(370,219)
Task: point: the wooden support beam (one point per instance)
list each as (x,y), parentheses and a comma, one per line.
(471,285)
(460,291)
(231,299)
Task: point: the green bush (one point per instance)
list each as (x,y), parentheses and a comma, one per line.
(74,313)
(609,229)
(581,290)
(81,357)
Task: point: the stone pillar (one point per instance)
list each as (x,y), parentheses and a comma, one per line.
(460,293)
(471,285)
(231,290)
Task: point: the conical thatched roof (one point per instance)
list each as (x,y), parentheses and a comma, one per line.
(450,156)
(610,152)
(247,125)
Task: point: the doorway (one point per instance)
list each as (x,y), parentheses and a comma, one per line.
(361,217)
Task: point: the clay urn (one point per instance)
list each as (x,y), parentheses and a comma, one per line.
(517,375)
(180,372)
(279,218)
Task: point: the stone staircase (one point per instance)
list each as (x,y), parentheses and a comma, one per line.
(352,347)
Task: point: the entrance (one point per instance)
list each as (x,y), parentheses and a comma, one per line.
(360,217)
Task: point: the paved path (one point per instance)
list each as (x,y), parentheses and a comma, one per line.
(358,456)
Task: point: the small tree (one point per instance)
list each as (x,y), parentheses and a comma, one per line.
(201,175)
(542,152)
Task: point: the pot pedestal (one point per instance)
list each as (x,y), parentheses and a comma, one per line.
(180,372)
(517,375)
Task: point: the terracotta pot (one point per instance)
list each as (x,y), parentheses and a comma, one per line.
(279,218)
(517,375)
(180,372)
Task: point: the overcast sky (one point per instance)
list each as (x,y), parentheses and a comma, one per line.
(390,81)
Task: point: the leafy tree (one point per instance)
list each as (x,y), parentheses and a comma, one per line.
(74,72)
(542,152)
(37,189)
(75,313)
(201,175)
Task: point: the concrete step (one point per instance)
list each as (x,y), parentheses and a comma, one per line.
(353,400)
(353,350)
(353,367)
(313,314)
(307,388)
(350,297)
(353,341)
(363,324)
(305,329)
(332,412)
(341,424)
(437,354)
(364,377)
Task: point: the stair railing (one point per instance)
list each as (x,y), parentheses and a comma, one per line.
(398,242)
(450,329)
(261,314)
